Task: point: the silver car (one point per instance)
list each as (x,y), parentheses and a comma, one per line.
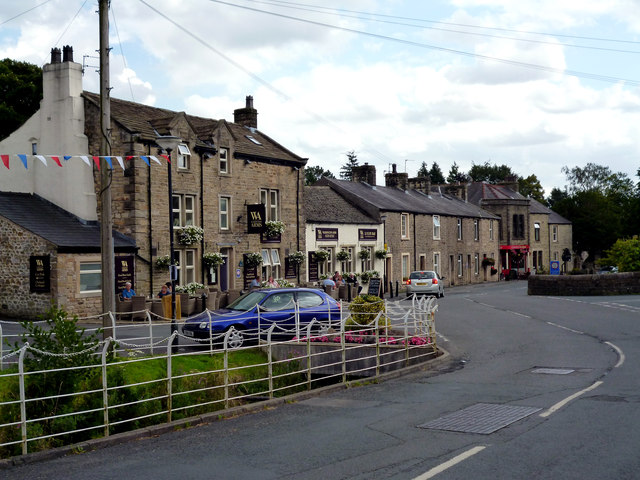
(425,282)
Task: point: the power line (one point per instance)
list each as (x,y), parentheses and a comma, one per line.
(25,12)
(501,29)
(573,73)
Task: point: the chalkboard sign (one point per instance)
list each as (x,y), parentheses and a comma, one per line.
(374,286)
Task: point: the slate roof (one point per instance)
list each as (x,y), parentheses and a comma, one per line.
(324,205)
(66,231)
(374,199)
(149,121)
(554,218)
(478,191)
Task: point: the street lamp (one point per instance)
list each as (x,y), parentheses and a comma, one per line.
(170,143)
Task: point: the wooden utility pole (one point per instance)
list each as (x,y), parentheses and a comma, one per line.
(106,220)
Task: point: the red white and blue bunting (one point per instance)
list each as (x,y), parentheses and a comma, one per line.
(59,160)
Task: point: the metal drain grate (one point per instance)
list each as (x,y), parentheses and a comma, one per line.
(483,418)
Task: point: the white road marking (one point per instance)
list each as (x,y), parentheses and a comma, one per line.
(621,356)
(562,403)
(519,314)
(566,328)
(444,339)
(450,463)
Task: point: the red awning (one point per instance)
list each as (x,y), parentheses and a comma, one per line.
(522,248)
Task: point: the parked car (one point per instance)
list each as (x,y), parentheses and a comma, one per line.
(608,269)
(425,282)
(275,305)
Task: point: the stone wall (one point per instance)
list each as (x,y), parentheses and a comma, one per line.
(585,285)
(18,244)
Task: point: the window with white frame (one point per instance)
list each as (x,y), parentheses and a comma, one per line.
(436,227)
(275,263)
(459,265)
(224,160)
(184,212)
(271,201)
(405,265)
(225,213)
(536,231)
(436,262)
(365,263)
(326,267)
(90,277)
(266,263)
(346,266)
(554,231)
(476,230)
(184,157)
(459,229)
(404,226)
(490,229)
(476,263)
(186,266)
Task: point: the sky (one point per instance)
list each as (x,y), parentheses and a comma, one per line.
(533,84)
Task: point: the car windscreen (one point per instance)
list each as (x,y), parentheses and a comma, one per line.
(421,275)
(247,301)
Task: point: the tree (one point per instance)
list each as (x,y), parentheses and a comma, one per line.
(531,187)
(455,175)
(315,173)
(20,94)
(490,173)
(624,254)
(555,196)
(436,174)
(423,171)
(352,161)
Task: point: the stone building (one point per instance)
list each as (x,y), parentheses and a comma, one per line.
(228,179)
(336,225)
(531,235)
(424,228)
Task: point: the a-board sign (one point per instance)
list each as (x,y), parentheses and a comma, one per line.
(374,286)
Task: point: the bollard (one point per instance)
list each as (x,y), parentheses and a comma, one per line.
(397,285)
(390,288)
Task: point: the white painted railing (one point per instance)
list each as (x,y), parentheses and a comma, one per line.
(103,406)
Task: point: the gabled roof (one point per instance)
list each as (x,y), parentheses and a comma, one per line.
(323,205)
(147,121)
(554,218)
(478,191)
(66,231)
(375,199)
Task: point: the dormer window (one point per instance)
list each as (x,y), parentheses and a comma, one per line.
(184,157)
(224,160)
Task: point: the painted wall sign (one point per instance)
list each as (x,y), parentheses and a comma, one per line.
(255,218)
(365,234)
(40,273)
(326,233)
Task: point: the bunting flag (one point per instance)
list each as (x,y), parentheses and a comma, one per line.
(57,159)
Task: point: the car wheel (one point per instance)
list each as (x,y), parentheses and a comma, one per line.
(236,338)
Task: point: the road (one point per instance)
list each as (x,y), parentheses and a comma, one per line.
(560,373)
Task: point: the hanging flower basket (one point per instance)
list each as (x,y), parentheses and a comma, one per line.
(189,288)
(343,255)
(190,234)
(273,228)
(488,261)
(212,259)
(296,258)
(381,254)
(322,255)
(364,254)
(252,259)
(164,262)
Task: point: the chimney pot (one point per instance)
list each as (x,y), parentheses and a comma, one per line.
(55,55)
(67,53)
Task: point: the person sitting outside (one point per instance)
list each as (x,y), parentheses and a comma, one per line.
(337,278)
(128,292)
(164,291)
(256,283)
(271,283)
(328,282)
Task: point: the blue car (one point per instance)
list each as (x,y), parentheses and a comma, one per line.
(275,305)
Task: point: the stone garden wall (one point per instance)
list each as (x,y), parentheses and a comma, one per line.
(585,285)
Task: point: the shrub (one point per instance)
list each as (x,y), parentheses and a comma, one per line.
(364,309)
